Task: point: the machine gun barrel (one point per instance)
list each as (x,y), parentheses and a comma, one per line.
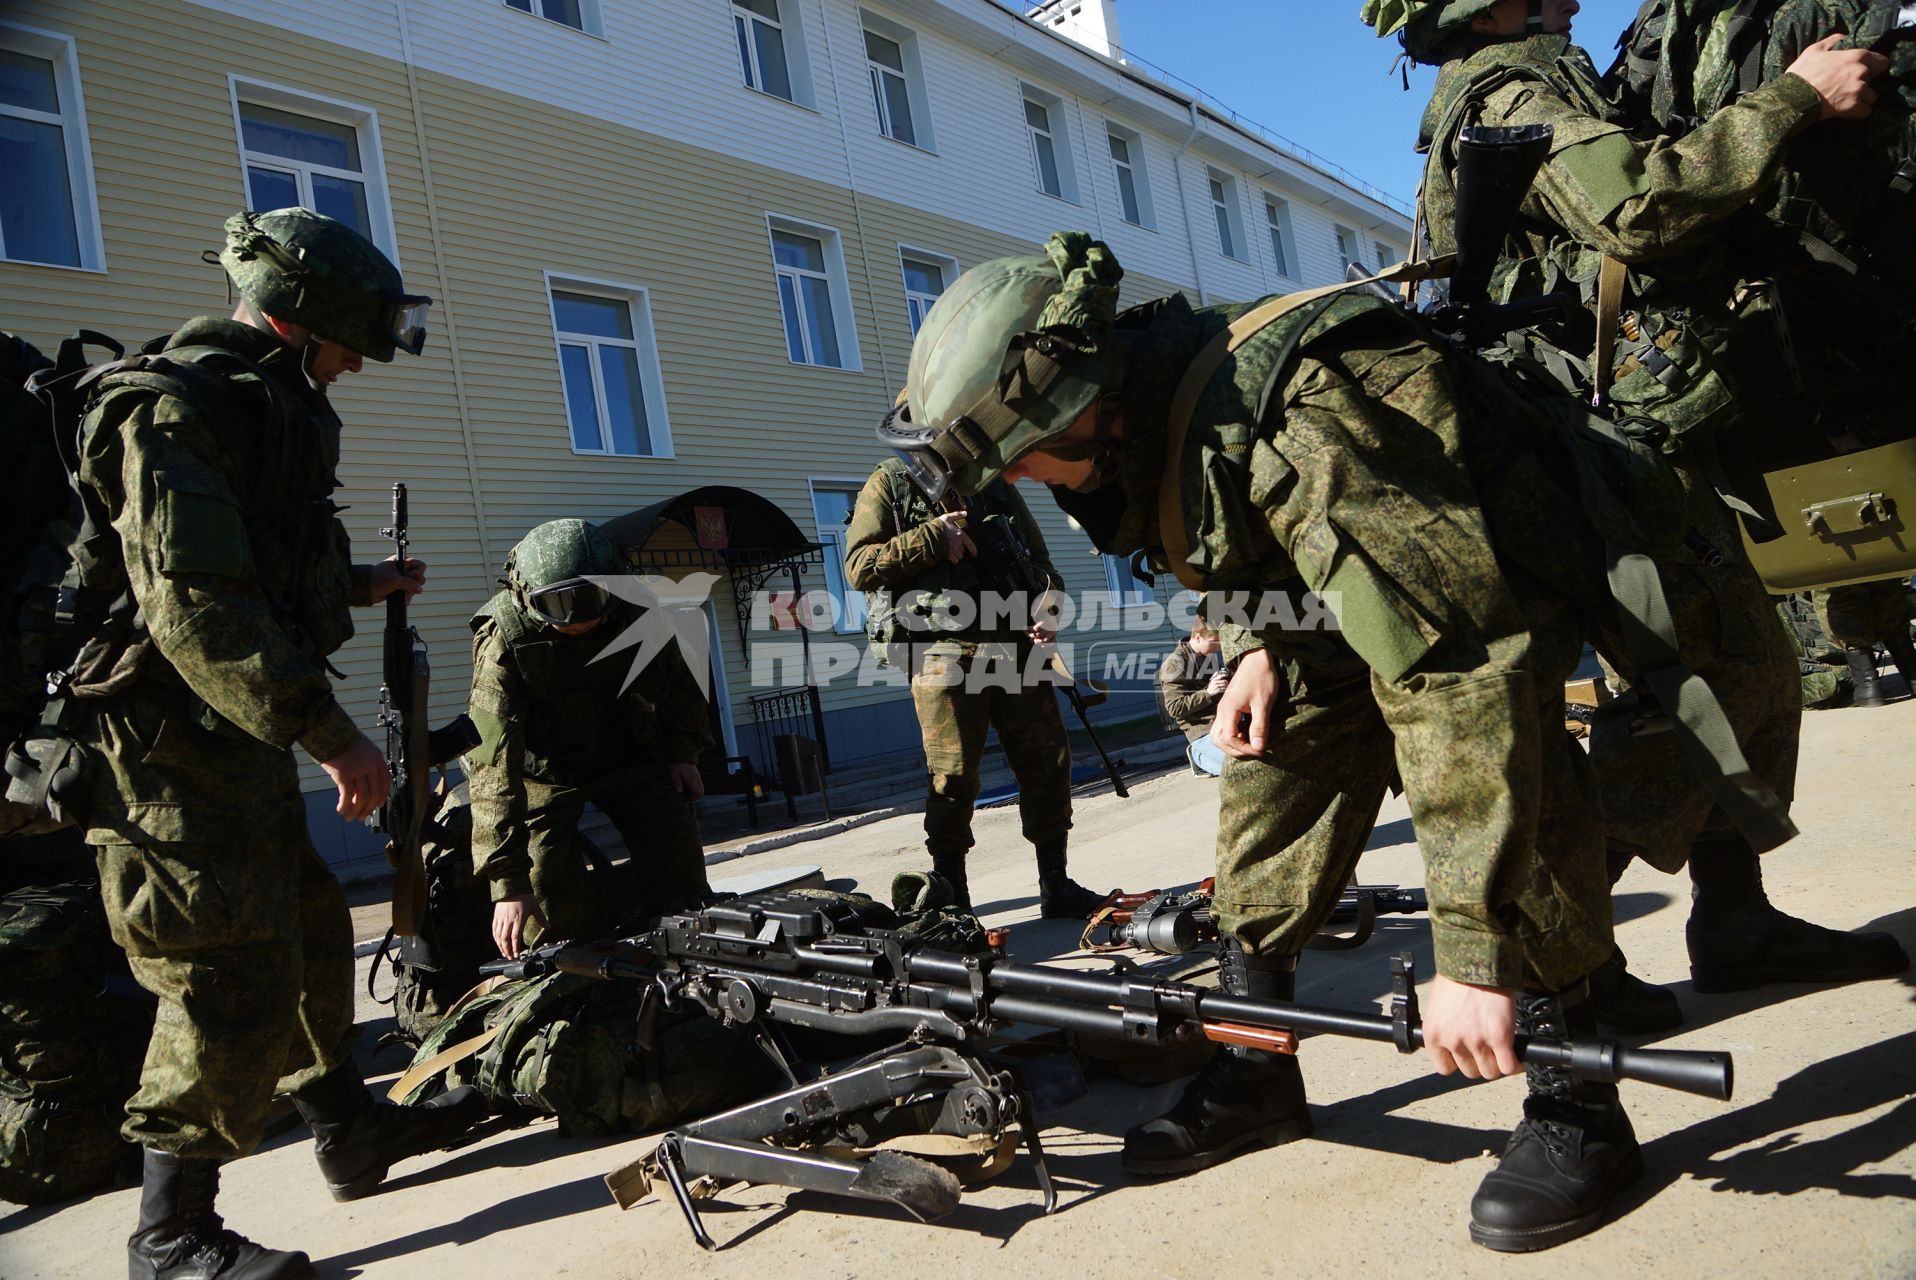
(856,982)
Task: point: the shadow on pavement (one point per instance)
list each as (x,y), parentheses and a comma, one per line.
(541,1205)
(1760,1149)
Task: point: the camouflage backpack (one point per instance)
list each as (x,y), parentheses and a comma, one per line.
(435,967)
(1829,251)
(73,1033)
(567,1046)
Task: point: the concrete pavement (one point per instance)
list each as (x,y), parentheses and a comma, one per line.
(1809,1170)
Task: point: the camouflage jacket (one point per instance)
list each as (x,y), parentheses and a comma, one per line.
(894,546)
(228,540)
(1266,512)
(1657,206)
(552,721)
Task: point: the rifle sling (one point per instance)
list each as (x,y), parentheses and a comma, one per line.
(452,1054)
(1610,281)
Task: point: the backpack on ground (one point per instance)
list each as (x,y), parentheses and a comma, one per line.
(73,1033)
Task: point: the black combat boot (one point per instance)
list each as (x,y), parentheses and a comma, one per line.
(1863,677)
(1625,1003)
(952,867)
(1903,654)
(1567,1157)
(1243,1098)
(1622,1001)
(1059,896)
(356,1139)
(180,1237)
(1738,940)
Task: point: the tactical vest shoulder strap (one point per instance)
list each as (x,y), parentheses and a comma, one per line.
(1171,530)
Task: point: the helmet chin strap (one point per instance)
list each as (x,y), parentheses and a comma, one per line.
(308,357)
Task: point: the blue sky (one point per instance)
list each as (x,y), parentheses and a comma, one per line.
(1308,70)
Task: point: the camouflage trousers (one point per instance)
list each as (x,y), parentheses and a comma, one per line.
(1864,613)
(660,828)
(1454,568)
(956,707)
(1654,805)
(248,949)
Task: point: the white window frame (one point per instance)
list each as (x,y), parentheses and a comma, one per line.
(837,285)
(833,540)
(1277,226)
(913,75)
(1140,180)
(63,52)
(363,120)
(947,270)
(1222,188)
(1059,134)
(591,21)
(798,69)
(1386,254)
(1124,589)
(1345,241)
(651,379)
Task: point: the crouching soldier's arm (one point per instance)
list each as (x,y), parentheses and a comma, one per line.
(496,787)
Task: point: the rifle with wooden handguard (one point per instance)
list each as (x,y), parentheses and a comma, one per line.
(412,749)
(777,959)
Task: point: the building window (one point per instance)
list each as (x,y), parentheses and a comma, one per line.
(1346,247)
(926,275)
(812,295)
(47,210)
(1385,256)
(1134,189)
(1277,220)
(1050,147)
(1230,232)
(580,15)
(832,503)
(614,396)
(1124,587)
(314,153)
(760,27)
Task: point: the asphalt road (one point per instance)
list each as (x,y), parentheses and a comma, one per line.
(1808,1171)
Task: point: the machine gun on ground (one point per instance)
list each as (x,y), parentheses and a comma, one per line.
(774,960)
(1173,922)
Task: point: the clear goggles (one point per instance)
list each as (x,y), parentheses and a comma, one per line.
(574,600)
(403,319)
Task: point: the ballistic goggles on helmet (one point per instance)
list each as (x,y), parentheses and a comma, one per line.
(402,318)
(929,472)
(564,603)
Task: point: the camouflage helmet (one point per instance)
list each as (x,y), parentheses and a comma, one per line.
(1009,356)
(303,267)
(1422,26)
(552,569)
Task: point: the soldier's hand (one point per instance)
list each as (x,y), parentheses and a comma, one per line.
(687,781)
(958,543)
(390,576)
(1243,717)
(1471,1029)
(362,777)
(1840,77)
(509,917)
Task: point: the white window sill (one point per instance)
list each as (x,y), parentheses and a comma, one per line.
(913,146)
(53,266)
(773,97)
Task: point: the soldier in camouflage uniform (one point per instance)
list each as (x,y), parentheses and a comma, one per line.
(558,728)
(1861,616)
(1654,207)
(916,564)
(212,466)
(1336,450)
